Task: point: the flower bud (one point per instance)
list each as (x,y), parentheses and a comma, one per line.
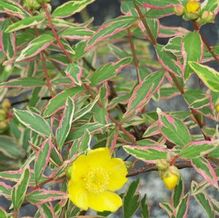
(3,126)
(207,17)
(43,1)
(179,10)
(6,104)
(171,177)
(3,115)
(192,9)
(162,164)
(31,4)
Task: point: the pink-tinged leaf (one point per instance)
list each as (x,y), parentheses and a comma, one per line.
(36,46)
(143,93)
(47,211)
(169,31)
(152,130)
(14,176)
(108,71)
(13,8)
(42,159)
(111,28)
(182,209)
(156,4)
(19,190)
(167,207)
(57,102)
(5,190)
(148,154)
(168,61)
(74,73)
(174,129)
(205,201)
(198,149)
(191,53)
(42,196)
(204,168)
(65,123)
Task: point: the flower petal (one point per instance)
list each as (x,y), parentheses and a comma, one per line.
(78,195)
(117,173)
(105,201)
(98,156)
(79,168)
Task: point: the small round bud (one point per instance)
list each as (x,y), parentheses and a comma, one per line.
(42,1)
(171,177)
(6,104)
(208,17)
(31,4)
(179,10)
(162,164)
(3,115)
(3,126)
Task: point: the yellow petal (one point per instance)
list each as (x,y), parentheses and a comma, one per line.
(105,201)
(79,168)
(78,195)
(98,156)
(117,173)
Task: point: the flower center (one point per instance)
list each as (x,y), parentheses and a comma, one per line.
(97,180)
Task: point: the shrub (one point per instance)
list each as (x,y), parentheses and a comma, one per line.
(78,114)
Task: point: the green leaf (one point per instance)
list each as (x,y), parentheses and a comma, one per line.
(33,121)
(182,208)
(131,200)
(25,82)
(5,190)
(42,159)
(70,8)
(108,71)
(91,127)
(65,123)
(204,168)
(150,153)
(24,23)
(157,3)
(36,46)
(174,129)
(3,213)
(192,53)
(168,60)
(178,193)
(12,8)
(208,75)
(205,202)
(59,100)
(19,190)
(74,73)
(41,196)
(110,28)
(102,74)
(198,149)
(143,92)
(144,207)
(76,33)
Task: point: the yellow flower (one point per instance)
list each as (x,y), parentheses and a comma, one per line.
(94,178)
(171,177)
(193,6)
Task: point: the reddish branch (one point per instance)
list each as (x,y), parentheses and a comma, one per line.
(135,59)
(197,28)
(174,78)
(87,87)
